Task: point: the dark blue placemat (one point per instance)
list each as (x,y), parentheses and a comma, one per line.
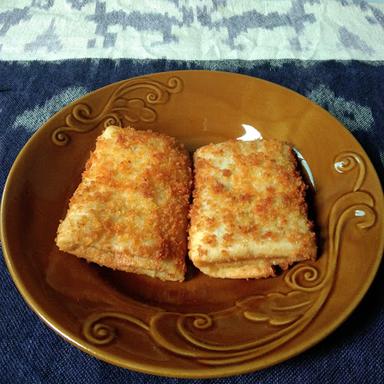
(30,92)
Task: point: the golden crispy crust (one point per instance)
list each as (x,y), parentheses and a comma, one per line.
(249,211)
(130,210)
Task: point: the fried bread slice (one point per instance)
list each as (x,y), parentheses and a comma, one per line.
(130,211)
(249,212)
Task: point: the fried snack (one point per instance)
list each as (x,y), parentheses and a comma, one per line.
(130,211)
(249,212)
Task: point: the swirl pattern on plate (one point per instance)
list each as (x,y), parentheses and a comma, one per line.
(287,313)
(133,101)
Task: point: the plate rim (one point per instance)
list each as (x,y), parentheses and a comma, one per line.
(222,371)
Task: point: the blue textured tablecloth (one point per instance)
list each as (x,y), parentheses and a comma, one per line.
(30,92)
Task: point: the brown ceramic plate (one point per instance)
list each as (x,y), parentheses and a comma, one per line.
(203,327)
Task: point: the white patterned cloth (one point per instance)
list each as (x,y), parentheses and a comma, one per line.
(199,29)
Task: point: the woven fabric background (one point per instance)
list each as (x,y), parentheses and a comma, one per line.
(31,91)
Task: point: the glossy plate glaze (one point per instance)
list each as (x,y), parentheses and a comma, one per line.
(203,327)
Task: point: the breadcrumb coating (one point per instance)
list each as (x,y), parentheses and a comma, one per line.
(130,211)
(249,211)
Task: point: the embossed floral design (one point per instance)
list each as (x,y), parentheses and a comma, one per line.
(132,101)
(286,313)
